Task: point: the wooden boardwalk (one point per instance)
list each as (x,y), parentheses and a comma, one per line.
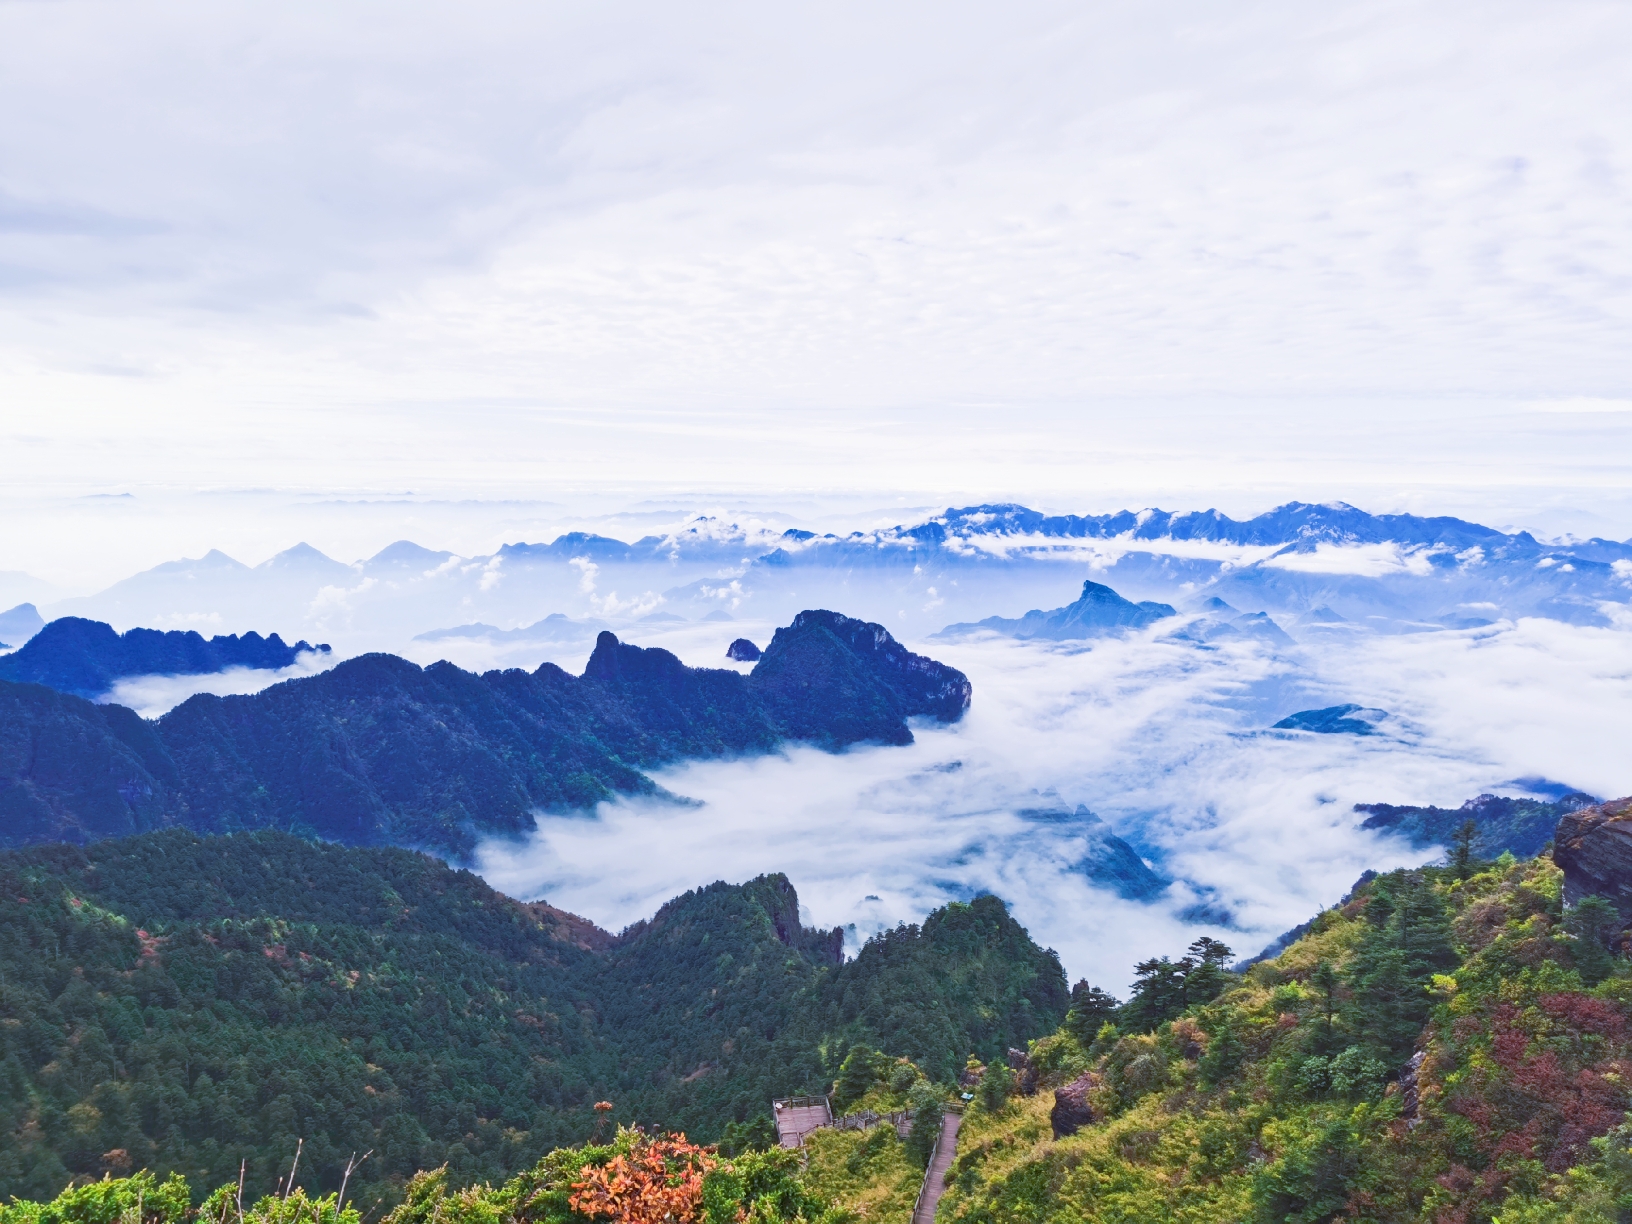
(796,1117)
(946,1149)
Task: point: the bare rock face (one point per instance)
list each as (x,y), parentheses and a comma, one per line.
(1025,1072)
(1071,1109)
(1409,1089)
(1593,847)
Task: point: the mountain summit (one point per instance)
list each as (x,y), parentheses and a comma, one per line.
(1098,611)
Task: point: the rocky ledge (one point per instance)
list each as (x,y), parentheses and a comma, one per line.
(1593,847)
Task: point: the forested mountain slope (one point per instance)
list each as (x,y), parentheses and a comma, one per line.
(86,657)
(179,1003)
(378,750)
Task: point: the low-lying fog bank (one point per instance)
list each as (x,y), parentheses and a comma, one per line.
(1165,740)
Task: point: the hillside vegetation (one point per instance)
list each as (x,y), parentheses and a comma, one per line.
(1439,1049)
(187,1005)
(1448,1046)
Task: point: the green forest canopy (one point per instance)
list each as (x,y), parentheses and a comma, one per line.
(183,1004)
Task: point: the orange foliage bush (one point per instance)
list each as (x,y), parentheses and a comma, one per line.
(660,1181)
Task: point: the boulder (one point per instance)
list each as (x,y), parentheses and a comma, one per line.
(1025,1072)
(1593,847)
(1071,1110)
(743,651)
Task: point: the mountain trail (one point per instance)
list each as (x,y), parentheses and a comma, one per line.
(946,1149)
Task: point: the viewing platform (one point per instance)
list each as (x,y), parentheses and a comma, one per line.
(797,1116)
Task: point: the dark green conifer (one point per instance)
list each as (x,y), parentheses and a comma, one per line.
(1225,1054)
(1325,981)
(1090,1008)
(1394,967)
(1462,844)
(1594,922)
(857,1076)
(927,1110)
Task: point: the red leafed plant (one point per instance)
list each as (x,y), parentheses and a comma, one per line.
(659,1181)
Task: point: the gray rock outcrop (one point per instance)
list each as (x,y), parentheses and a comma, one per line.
(1593,847)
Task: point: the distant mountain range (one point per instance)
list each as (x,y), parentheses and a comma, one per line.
(1328,568)
(86,658)
(19,624)
(1107,860)
(378,750)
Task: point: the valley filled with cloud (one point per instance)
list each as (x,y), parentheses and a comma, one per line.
(1166,741)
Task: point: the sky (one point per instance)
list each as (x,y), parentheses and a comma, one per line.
(1078,255)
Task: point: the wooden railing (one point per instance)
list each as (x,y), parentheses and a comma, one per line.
(867,1119)
(800,1102)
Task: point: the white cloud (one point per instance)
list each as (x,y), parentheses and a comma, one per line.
(587,570)
(334,604)
(1583,404)
(151,696)
(1365,560)
(493,574)
(1037,247)
(1160,738)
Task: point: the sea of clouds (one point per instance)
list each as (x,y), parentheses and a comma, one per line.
(1163,738)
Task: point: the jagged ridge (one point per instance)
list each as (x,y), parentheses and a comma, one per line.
(380,751)
(86,657)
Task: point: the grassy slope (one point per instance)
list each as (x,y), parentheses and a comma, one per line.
(1525,1064)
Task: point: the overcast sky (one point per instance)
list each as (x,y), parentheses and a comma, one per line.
(1084,254)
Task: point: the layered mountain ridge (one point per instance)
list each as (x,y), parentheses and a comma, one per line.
(1097,611)
(86,657)
(378,750)
(1332,564)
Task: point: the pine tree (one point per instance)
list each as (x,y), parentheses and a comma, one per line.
(1462,844)
(1225,1054)
(996,1086)
(1395,965)
(857,1076)
(1090,1009)
(1206,979)
(927,1109)
(1594,922)
(1325,981)
(1158,993)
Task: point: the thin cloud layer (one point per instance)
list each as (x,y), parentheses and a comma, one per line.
(1163,739)
(1035,246)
